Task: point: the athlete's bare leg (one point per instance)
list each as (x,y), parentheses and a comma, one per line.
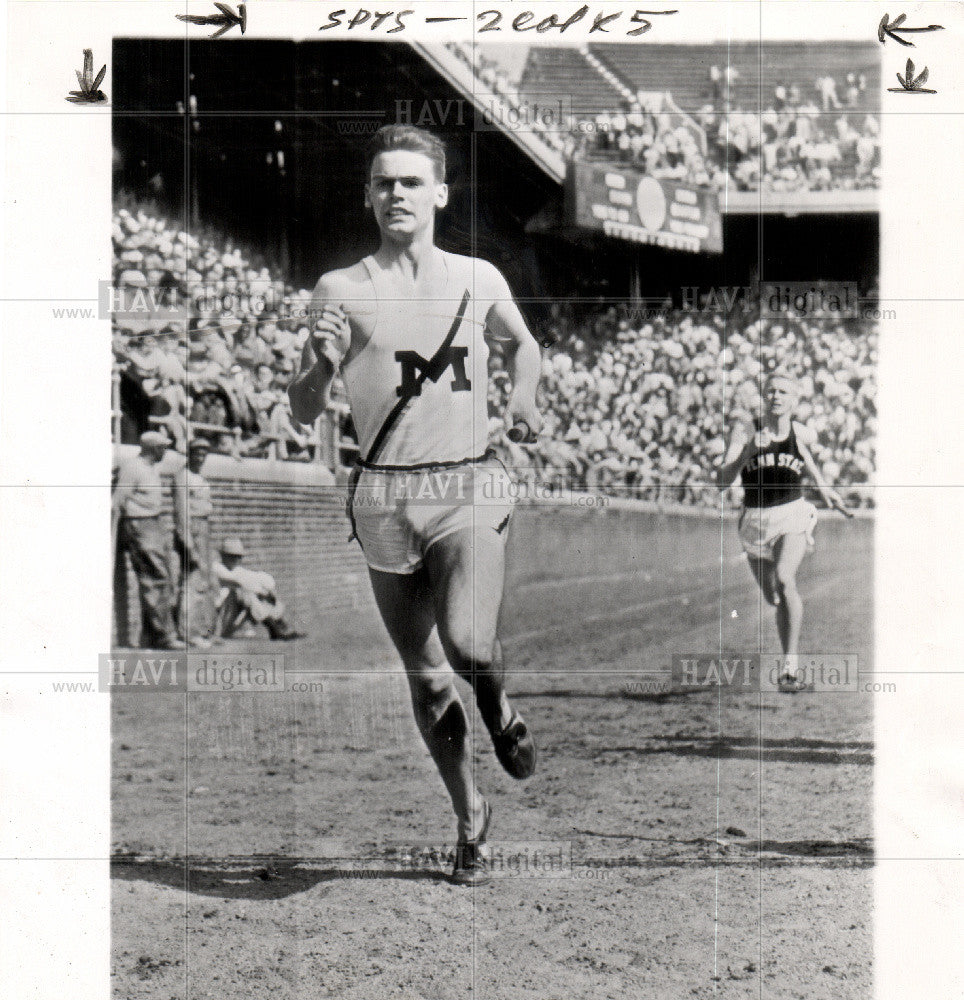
(765,576)
(789,550)
(466,570)
(406,607)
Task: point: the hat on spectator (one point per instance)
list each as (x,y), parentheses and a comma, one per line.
(232,547)
(198,444)
(154,439)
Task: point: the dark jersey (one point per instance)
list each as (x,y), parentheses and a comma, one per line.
(773,475)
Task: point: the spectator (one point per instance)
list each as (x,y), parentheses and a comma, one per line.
(140,532)
(192,545)
(827,88)
(716,84)
(780,96)
(247,597)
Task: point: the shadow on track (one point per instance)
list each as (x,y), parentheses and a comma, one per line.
(260,878)
(658,696)
(789,751)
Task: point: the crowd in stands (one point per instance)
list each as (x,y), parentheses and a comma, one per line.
(798,148)
(642,409)
(801,142)
(655,144)
(244,337)
(631,407)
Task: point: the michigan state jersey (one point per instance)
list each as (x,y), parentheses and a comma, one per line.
(418,388)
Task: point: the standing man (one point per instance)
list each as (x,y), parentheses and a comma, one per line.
(139,528)
(192,547)
(428,502)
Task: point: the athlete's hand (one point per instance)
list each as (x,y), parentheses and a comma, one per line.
(331,336)
(834,499)
(521,411)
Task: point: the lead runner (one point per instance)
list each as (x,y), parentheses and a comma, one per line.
(429,503)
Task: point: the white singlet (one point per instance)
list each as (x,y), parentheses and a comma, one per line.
(440,387)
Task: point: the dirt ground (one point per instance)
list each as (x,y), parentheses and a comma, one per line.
(671,845)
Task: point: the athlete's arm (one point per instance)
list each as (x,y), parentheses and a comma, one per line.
(805,437)
(734,458)
(323,352)
(506,323)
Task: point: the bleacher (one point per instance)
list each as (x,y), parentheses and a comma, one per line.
(566,72)
(684,70)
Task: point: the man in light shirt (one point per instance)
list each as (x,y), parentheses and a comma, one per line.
(140,530)
(247,596)
(192,545)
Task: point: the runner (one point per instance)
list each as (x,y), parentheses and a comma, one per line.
(776,524)
(428,502)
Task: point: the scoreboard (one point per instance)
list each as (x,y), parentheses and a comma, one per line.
(627,204)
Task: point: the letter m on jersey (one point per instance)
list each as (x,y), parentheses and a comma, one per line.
(413,365)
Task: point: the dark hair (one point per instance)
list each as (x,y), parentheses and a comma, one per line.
(410,138)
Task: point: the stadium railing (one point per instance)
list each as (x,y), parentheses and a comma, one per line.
(330,445)
(325,440)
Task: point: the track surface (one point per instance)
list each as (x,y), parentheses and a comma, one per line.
(292,845)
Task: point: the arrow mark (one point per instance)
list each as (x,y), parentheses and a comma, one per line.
(893,29)
(227,19)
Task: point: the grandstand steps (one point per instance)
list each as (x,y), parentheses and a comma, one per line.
(607,73)
(567,72)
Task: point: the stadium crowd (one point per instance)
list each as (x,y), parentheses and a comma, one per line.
(632,407)
(244,337)
(801,142)
(639,410)
(798,148)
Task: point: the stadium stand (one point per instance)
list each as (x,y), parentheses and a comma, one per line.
(632,409)
(785,116)
(568,73)
(756,70)
(228,377)
(639,411)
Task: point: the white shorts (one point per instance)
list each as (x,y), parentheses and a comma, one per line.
(398,515)
(761,527)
